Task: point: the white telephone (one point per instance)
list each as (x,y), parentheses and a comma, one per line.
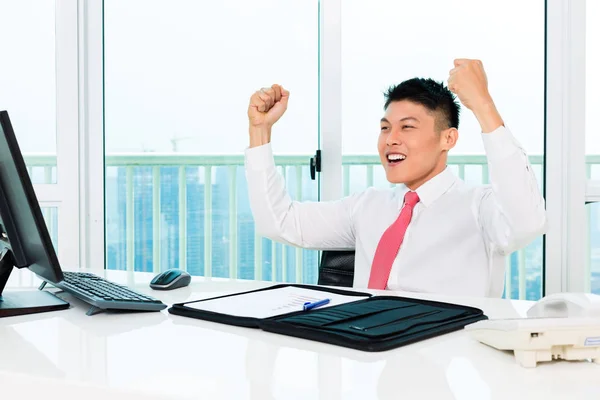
(562,326)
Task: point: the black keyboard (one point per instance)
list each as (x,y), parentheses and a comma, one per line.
(102,294)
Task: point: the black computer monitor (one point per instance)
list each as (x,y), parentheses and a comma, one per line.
(24,238)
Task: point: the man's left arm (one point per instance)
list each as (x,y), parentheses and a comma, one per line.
(512,211)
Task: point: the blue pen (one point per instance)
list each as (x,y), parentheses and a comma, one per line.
(310,306)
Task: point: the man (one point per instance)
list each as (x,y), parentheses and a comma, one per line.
(432,233)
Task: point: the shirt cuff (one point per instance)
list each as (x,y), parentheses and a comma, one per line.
(500,144)
(259,158)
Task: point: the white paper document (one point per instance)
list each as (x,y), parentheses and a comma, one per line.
(268,303)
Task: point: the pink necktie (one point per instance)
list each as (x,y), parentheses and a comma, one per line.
(390,243)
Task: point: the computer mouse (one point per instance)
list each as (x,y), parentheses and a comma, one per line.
(565,305)
(170,279)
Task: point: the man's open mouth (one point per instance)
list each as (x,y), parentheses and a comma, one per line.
(395,158)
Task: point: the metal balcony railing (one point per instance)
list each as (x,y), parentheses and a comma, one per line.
(358,172)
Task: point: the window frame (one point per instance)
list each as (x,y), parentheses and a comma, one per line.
(330,90)
(565,190)
(64,193)
(91,134)
(565,146)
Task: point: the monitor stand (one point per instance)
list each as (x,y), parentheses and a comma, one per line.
(21,302)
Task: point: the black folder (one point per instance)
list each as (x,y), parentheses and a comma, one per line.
(370,323)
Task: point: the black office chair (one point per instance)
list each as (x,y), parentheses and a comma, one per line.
(336,268)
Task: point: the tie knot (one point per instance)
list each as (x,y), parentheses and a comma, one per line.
(411,199)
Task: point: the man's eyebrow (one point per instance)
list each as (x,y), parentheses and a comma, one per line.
(402,120)
(409,118)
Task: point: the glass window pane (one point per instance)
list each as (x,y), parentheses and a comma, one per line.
(592,141)
(28,81)
(593,248)
(178,78)
(592,83)
(51,218)
(386,42)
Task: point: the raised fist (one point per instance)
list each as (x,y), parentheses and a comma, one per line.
(469,82)
(267,105)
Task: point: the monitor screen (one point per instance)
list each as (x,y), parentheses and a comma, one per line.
(23,230)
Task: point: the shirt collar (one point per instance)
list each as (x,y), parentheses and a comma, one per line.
(431,190)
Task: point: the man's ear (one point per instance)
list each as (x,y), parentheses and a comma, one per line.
(448,138)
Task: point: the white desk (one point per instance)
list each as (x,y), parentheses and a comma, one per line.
(68,355)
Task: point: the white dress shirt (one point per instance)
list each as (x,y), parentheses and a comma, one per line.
(458,236)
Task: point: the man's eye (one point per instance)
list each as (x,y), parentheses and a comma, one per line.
(384,128)
(408,127)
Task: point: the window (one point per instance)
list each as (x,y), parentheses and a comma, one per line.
(592,143)
(39,88)
(592,266)
(28,82)
(178,77)
(592,80)
(386,42)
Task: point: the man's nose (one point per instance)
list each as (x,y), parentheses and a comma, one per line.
(394,138)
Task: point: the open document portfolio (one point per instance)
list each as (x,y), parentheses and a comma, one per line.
(339,317)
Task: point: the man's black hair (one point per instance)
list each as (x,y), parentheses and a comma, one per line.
(432,95)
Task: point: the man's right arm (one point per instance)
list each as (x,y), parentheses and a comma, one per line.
(314,225)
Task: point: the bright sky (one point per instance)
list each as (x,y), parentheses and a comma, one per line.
(184,70)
